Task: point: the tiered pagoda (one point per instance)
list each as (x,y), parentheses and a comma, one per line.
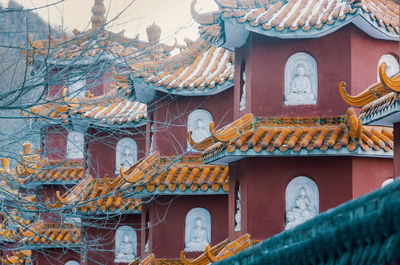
(245,135)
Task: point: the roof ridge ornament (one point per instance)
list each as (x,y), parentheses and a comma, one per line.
(98,10)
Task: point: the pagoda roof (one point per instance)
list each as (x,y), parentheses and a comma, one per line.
(200,69)
(94,197)
(186,175)
(293,19)
(32,168)
(295,136)
(50,235)
(107,110)
(96,45)
(21,257)
(379,102)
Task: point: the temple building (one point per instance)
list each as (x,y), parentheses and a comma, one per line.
(245,147)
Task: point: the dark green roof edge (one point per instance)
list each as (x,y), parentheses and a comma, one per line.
(381,114)
(207,91)
(362,231)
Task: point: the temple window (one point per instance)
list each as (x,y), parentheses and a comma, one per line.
(198,124)
(125,244)
(301,80)
(77,87)
(387,182)
(197,230)
(392,65)
(242,103)
(302,201)
(126,154)
(72,262)
(75,145)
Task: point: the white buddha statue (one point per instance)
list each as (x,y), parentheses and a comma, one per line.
(125,251)
(303,210)
(127,159)
(300,88)
(200,132)
(197,238)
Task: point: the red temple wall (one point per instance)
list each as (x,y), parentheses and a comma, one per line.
(346,55)
(55,143)
(265,77)
(365,55)
(171,114)
(264,182)
(370,173)
(102,148)
(56,256)
(167,216)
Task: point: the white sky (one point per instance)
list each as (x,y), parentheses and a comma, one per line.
(173,16)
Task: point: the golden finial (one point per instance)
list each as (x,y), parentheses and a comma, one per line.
(98,11)
(153,33)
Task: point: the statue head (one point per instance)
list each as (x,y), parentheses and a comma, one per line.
(198,222)
(200,123)
(303,192)
(301,70)
(125,238)
(127,151)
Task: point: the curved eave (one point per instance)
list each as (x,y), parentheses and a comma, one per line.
(359,19)
(105,124)
(184,91)
(225,157)
(48,182)
(78,61)
(177,191)
(384,117)
(35,246)
(100,212)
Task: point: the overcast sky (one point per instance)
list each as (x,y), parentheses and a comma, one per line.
(173,16)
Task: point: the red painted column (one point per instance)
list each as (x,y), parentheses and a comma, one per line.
(396,149)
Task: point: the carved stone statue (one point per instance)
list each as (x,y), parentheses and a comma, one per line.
(200,132)
(125,249)
(301,80)
(75,145)
(198,237)
(303,211)
(301,93)
(238,214)
(198,123)
(126,154)
(242,104)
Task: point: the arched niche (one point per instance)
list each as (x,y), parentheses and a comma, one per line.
(238,208)
(392,65)
(199,124)
(197,230)
(72,262)
(126,154)
(125,244)
(243,77)
(75,145)
(301,80)
(387,182)
(302,201)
